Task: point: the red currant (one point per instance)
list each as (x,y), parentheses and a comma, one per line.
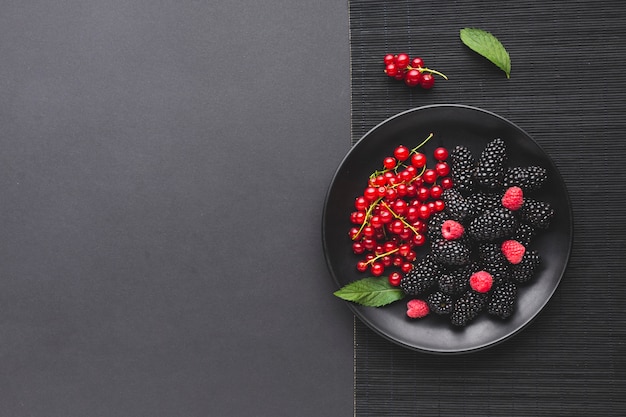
(436,191)
(406,267)
(402,61)
(439,205)
(389,59)
(430,176)
(401,153)
(391,69)
(446,183)
(389,162)
(412,78)
(395,278)
(441,154)
(424,211)
(362,266)
(428,81)
(417,62)
(357,248)
(419,240)
(418,160)
(442,169)
(370,193)
(377,269)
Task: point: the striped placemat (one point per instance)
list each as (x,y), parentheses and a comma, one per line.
(567,90)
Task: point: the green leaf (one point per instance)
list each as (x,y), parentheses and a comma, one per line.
(488,46)
(371,292)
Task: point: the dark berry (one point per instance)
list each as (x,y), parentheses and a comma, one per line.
(536,213)
(439,303)
(467,307)
(502,300)
(490,169)
(491,225)
(450,252)
(529,178)
(524,234)
(421,277)
(457,206)
(525,270)
(462,164)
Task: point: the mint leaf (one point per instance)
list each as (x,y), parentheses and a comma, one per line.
(488,46)
(370,292)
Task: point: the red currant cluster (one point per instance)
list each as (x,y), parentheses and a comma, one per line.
(412,71)
(391,216)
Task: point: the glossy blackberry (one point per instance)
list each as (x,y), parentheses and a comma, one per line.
(536,213)
(439,303)
(481,202)
(525,270)
(491,164)
(462,164)
(492,225)
(499,271)
(456,281)
(529,178)
(490,253)
(450,252)
(423,276)
(502,300)
(457,206)
(434,225)
(467,307)
(524,234)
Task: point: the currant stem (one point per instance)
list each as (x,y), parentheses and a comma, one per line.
(368,214)
(382,255)
(423,143)
(432,71)
(397,216)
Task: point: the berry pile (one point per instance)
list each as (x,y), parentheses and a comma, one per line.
(391,217)
(473,217)
(411,71)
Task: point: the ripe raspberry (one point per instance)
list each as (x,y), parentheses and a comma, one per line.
(467,307)
(416,309)
(513,198)
(502,300)
(462,164)
(513,251)
(492,225)
(452,230)
(490,170)
(536,213)
(481,281)
(527,178)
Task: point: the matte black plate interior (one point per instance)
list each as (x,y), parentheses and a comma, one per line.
(452,125)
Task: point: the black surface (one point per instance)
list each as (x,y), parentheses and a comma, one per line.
(162,168)
(451,125)
(567,90)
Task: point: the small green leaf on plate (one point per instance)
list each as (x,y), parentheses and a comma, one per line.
(488,46)
(370,292)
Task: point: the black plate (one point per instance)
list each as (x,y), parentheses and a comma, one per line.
(452,125)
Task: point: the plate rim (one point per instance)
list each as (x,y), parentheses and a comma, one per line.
(356,309)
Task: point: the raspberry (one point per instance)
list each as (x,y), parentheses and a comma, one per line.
(491,225)
(513,198)
(450,252)
(513,251)
(467,307)
(525,270)
(502,300)
(457,206)
(439,303)
(451,230)
(536,213)
(481,281)
(490,169)
(527,178)
(421,277)
(416,309)
(462,164)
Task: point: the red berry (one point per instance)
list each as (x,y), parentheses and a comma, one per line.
(513,251)
(430,176)
(436,191)
(417,309)
(362,266)
(391,69)
(413,78)
(439,205)
(424,211)
(481,281)
(417,62)
(442,169)
(419,240)
(357,248)
(452,230)
(377,269)
(423,193)
(389,162)
(418,160)
(389,59)
(395,278)
(361,203)
(402,61)
(406,267)
(513,198)
(446,183)
(370,193)
(441,154)
(428,81)
(401,153)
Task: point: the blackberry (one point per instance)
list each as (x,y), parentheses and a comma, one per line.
(481,202)
(457,206)
(490,169)
(492,225)
(536,213)
(502,300)
(439,303)
(490,253)
(456,281)
(462,164)
(421,277)
(529,178)
(525,270)
(524,234)
(450,252)
(434,225)
(499,271)
(467,307)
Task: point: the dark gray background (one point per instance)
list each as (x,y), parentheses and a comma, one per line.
(163,166)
